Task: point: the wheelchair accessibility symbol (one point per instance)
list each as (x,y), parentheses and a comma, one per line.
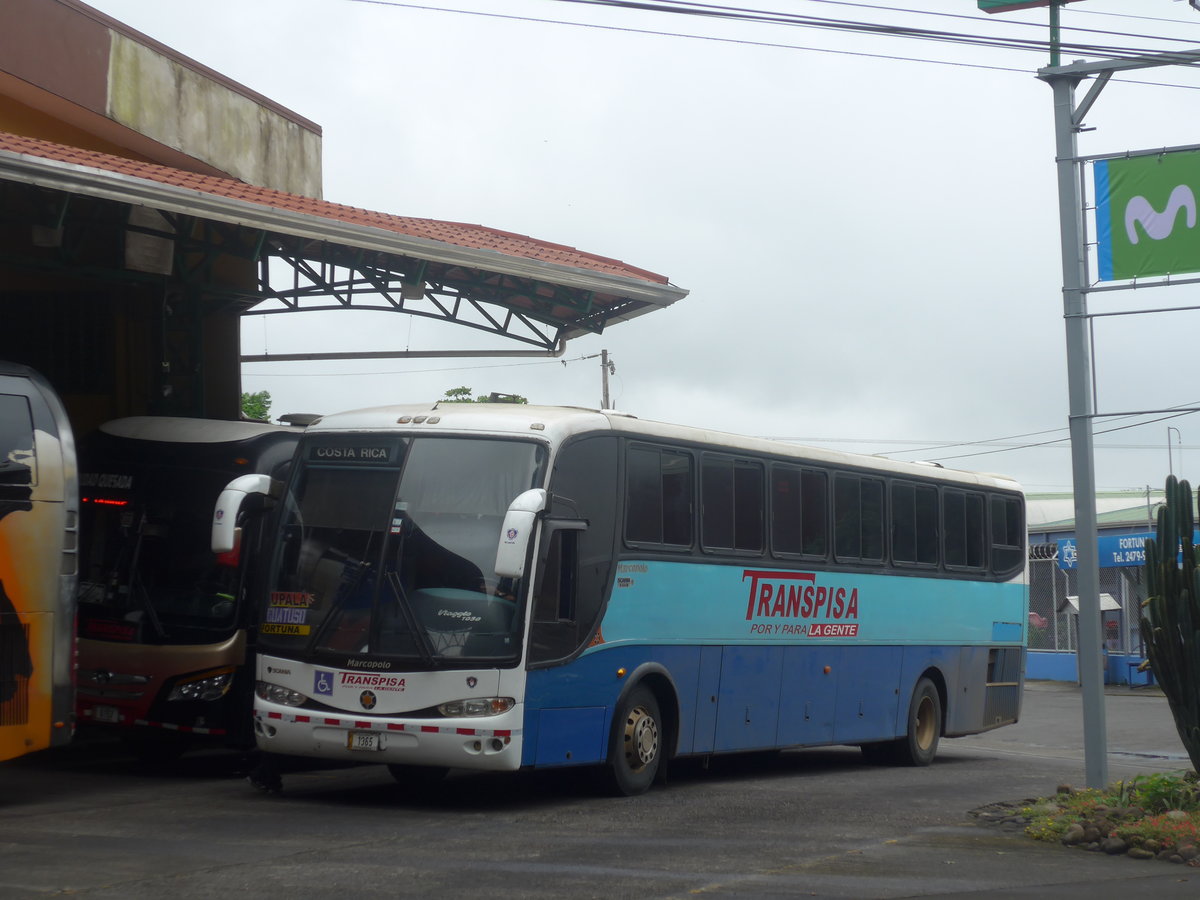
(323,683)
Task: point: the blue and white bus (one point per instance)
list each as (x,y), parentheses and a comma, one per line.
(491,586)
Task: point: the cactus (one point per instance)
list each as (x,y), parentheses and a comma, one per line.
(1170,619)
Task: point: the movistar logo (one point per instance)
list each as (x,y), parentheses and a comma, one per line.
(1158,225)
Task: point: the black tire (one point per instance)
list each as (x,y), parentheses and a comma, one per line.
(919,746)
(635,748)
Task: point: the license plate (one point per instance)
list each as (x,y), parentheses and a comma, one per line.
(108,714)
(362,740)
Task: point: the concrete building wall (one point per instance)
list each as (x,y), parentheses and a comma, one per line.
(186,110)
(120,91)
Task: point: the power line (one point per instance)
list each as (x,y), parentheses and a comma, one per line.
(707,10)
(1039,46)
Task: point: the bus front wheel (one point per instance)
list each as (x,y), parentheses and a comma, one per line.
(636,745)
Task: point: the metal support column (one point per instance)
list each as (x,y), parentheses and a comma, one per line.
(1079,383)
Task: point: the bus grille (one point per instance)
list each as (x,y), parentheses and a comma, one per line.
(14,671)
(1001,704)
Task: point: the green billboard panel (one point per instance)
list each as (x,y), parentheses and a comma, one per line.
(1146,215)
(995,6)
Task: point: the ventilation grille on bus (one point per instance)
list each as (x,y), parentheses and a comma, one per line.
(14,671)
(1002,697)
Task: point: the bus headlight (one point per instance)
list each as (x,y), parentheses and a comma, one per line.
(479,706)
(209,686)
(277,693)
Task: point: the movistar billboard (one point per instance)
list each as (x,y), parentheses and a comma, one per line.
(1146,215)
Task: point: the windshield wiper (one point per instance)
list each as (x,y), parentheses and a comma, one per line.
(420,637)
(136,588)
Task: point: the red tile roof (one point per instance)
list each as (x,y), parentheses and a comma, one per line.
(454,233)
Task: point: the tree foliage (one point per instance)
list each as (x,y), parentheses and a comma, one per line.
(257,406)
(463,395)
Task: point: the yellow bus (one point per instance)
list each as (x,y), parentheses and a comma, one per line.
(39,514)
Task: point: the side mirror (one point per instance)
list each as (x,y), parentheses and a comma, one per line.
(224,526)
(517,531)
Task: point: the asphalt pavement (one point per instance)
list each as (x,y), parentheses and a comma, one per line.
(92,822)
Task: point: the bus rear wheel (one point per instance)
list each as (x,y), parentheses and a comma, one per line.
(919,745)
(636,745)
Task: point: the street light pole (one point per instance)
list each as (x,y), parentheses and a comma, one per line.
(1170,461)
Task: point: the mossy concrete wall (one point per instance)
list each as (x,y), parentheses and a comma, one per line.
(177,106)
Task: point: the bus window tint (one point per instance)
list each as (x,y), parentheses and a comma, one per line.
(1008,534)
(858,512)
(732,504)
(659,502)
(914,524)
(17,463)
(798,507)
(962,517)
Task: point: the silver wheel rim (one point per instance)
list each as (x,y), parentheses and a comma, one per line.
(641,738)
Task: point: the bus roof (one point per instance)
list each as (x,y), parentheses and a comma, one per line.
(177,430)
(557,423)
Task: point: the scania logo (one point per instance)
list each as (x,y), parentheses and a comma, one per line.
(367,699)
(472,681)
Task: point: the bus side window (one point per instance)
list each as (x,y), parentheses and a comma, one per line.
(1008,534)
(731,504)
(962,516)
(914,524)
(798,511)
(658,497)
(554,594)
(17,461)
(858,514)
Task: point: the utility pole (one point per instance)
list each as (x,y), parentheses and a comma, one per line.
(606,369)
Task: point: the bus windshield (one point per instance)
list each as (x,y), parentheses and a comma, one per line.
(151,576)
(388,547)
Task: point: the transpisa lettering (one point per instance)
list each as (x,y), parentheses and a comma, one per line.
(796,596)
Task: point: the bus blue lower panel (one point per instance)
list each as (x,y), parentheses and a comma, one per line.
(733,698)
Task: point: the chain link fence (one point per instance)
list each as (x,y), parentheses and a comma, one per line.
(1053,618)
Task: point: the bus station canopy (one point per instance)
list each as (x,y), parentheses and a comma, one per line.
(316,255)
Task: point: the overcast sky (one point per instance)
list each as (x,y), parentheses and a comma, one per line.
(870,238)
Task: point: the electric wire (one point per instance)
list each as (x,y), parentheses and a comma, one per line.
(1039,46)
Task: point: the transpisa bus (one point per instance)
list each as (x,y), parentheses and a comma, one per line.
(496,587)
(164,629)
(39,512)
